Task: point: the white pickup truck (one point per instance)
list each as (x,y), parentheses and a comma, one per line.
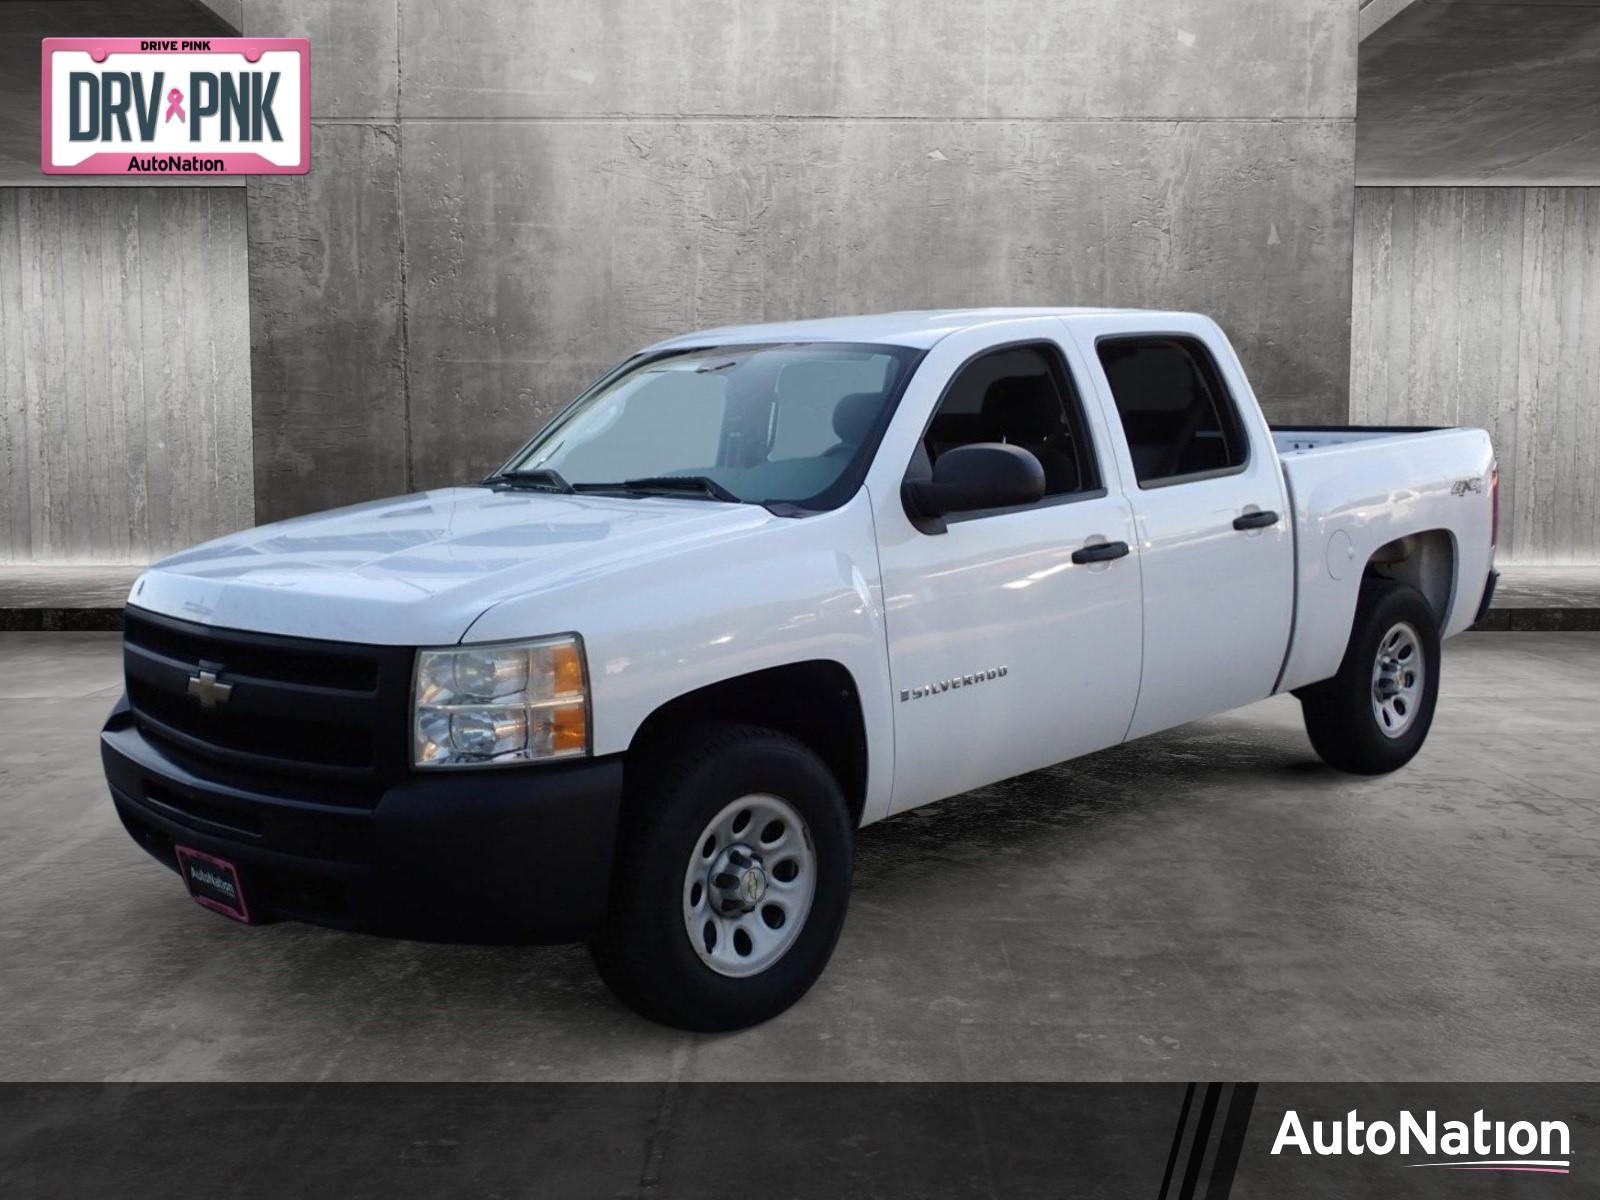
(758,587)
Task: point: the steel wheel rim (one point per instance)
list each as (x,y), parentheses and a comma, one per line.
(1399,671)
(743,916)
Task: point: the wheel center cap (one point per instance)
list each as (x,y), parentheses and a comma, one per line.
(753,885)
(737,880)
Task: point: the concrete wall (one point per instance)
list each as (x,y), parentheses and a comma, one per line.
(501,206)
(1481,306)
(124,381)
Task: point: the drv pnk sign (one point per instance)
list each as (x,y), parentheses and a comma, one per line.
(176,106)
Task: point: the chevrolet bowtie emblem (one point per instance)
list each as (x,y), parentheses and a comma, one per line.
(204,687)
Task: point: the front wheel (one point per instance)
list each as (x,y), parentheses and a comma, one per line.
(1374,715)
(731,880)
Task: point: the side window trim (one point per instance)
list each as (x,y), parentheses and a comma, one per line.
(1057,501)
(1195,476)
(1190,340)
(1077,418)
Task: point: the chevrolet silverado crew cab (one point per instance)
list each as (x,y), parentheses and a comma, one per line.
(758,587)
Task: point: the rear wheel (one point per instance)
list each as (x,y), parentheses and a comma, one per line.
(1374,715)
(731,880)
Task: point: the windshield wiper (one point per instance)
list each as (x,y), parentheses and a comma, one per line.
(546,480)
(540,478)
(686,485)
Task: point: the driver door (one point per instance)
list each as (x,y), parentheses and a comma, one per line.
(1005,654)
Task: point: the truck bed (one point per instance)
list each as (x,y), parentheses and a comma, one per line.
(1354,488)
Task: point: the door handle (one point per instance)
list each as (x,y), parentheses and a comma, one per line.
(1100,552)
(1255,520)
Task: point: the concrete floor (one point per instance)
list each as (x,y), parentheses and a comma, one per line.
(1210,902)
(47,585)
(1527,586)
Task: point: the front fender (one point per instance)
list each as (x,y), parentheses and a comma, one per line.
(786,591)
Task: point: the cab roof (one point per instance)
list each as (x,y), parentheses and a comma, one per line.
(919,330)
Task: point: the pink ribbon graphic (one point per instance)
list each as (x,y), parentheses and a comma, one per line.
(175,106)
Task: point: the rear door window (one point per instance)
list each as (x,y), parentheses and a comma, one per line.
(1179,420)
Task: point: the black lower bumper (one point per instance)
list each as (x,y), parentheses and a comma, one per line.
(512,855)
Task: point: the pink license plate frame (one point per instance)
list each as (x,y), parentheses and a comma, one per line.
(115,162)
(210,880)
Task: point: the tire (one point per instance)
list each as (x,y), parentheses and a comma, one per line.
(1372,717)
(680,828)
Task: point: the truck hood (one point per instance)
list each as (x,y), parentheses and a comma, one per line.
(419,570)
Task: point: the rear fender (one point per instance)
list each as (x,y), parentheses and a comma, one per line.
(1352,519)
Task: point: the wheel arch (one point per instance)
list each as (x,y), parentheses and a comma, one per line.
(1425,560)
(815,701)
(1428,559)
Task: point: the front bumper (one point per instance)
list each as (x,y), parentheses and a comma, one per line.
(513,855)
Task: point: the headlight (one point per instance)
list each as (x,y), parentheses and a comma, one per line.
(501,704)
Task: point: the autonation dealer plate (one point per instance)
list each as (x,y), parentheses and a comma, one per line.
(213,882)
(176,106)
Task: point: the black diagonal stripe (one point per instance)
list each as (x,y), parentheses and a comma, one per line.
(1229,1146)
(1202,1135)
(1177,1141)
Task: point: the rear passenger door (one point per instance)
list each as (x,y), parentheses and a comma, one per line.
(1005,653)
(1215,546)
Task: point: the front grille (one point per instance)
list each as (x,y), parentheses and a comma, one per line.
(330,717)
(336,743)
(279,659)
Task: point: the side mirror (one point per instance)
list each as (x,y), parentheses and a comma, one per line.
(982,475)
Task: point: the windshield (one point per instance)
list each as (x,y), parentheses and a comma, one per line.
(757,424)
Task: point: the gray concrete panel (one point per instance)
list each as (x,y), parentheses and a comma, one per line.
(325,319)
(1479,306)
(539,253)
(1128,59)
(354,71)
(578,180)
(124,372)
